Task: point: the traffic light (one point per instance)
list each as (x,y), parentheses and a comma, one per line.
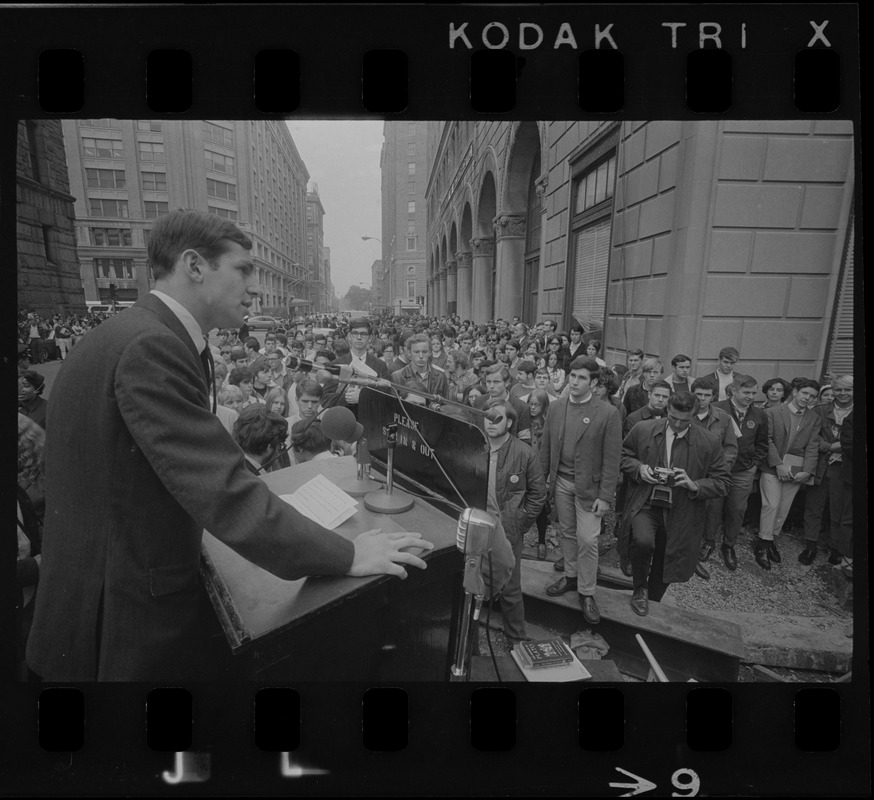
(113,294)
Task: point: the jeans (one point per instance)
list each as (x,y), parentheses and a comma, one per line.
(728,512)
(579,529)
(512,604)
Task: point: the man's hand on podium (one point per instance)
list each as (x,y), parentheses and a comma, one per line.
(378,553)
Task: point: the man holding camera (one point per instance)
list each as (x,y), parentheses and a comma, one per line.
(672,467)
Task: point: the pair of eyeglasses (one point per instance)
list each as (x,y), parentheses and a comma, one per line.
(359,334)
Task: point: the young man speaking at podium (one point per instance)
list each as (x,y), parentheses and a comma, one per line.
(139,466)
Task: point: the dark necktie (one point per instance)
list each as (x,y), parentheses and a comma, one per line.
(208,372)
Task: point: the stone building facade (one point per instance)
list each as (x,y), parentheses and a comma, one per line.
(48,265)
(665,235)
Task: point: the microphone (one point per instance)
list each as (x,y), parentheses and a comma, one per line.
(345,373)
(304,365)
(475,537)
(338,422)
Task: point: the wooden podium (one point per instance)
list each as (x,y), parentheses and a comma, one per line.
(340,629)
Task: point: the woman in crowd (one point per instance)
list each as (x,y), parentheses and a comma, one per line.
(826,395)
(593,350)
(276,401)
(776,390)
(538,403)
(556,373)
(388,353)
(553,345)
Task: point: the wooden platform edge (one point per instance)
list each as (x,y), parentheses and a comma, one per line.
(663,620)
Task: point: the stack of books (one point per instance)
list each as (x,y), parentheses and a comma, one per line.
(549,660)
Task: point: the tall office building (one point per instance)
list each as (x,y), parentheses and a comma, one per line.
(126,173)
(404,164)
(318,256)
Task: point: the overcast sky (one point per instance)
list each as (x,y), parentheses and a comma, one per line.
(342,157)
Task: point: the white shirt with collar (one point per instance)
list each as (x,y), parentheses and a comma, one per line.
(185,317)
(670,436)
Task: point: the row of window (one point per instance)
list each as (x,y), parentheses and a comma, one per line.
(221,190)
(119,209)
(218,135)
(115,179)
(218,162)
(122,268)
(149,125)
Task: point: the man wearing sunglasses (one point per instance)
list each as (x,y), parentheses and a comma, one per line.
(516,496)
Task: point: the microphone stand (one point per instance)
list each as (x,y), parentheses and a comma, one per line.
(385,501)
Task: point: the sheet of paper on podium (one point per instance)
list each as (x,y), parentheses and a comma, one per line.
(323,501)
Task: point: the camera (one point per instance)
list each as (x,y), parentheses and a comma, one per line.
(665,475)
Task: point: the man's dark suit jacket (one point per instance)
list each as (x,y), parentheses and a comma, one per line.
(376,364)
(136,468)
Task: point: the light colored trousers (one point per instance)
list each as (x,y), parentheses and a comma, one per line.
(579,529)
(777,497)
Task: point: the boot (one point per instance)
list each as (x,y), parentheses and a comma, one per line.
(760,551)
(808,554)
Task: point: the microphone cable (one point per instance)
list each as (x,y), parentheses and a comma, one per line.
(489,624)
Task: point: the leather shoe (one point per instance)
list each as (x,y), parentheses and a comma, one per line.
(834,557)
(558,565)
(729,557)
(773,553)
(761,554)
(701,571)
(625,566)
(541,551)
(561,586)
(707,549)
(590,609)
(807,555)
(640,602)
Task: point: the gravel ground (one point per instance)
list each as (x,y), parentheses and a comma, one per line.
(788,588)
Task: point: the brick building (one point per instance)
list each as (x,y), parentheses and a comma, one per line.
(668,236)
(48,266)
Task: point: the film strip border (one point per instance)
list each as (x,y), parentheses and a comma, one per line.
(435,62)
(427,739)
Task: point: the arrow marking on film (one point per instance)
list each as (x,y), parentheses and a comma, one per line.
(639,786)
